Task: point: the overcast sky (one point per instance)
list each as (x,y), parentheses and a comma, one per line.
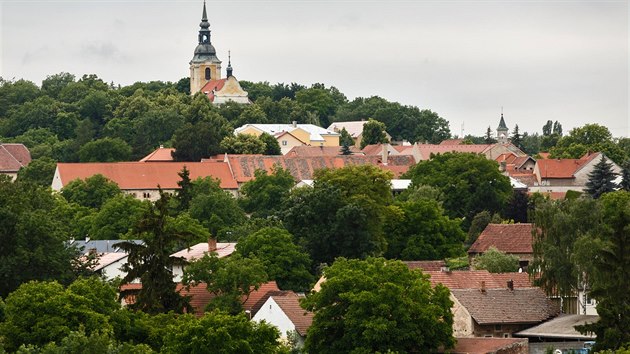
(539,60)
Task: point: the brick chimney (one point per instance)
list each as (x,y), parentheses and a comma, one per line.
(483,286)
(510,284)
(212,244)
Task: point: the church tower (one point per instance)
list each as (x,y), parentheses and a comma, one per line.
(204,66)
(502,131)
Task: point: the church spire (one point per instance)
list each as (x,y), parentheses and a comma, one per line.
(229,67)
(204,31)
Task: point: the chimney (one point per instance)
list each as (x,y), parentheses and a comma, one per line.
(294,124)
(503,166)
(384,154)
(510,284)
(483,286)
(212,244)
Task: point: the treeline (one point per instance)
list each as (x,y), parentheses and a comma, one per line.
(70,120)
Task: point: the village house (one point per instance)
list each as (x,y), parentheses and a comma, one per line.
(12,158)
(294,134)
(559,334)
(513,239)
(355,129)
(283,310)
(108,257)
(222,249)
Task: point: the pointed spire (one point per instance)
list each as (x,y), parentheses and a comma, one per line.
(502,125)
(229,67)
(204,16)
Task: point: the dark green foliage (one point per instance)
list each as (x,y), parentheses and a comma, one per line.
(243,144)
(517,207)
(230,279)
(419,230)
(218,332)
(184,194)
(214,208)
(601,180)
(479,223)
(91,192)
(516,138)
(345,139)
(41,312)
(495,261)
(625,176)
(32,236)
(193,142)
(105,150)
(272,147)
(266,194)
(39,172)
(610,273)
(373,133)
(488,138)
(385,307)
(284,262)
(585,139)
(151,262)
(470,183)
(116,217)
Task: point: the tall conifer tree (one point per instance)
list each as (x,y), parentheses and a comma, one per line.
(601,179)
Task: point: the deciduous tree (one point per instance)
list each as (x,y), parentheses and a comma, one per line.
(495,261)
(266,194)
(373,133)
(91,192)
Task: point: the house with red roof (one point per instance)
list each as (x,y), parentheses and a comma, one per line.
(160,154)
(222,249)
(354,128)
(283,310)
(142,179)
(12,158)
(562,175)
(514,239)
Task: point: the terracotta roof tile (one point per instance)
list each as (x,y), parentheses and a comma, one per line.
(426,265)
(159,155)
(13,157)
(472,279)
(311,151)
(508,238)
(488,345)
(257,298)
(197,251)
(559,168)
(211,87)
(496,306)
(452,142)
(140,175)
(290,305)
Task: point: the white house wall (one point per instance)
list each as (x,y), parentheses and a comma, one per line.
(271,313)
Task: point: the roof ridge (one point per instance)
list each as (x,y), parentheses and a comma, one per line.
(10,154)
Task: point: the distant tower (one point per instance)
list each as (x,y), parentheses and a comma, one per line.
(205,65)
(502,131)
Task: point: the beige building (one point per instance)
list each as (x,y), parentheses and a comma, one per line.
(291,135)
(354,128)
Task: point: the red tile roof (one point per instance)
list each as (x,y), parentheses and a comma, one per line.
(489,345)
(559,168)
(497,306)
(311,151)
(427,149)
(508,238)
(159,155)
(13,157)
(258,297)
(472,279)
(301,168)
(452,142)
(290,305)
(211,87)
(141,175)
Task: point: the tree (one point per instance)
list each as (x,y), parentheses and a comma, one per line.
(230,279)
(218,332)
(214,208)
(546,129)
(345,149)
(470,183)
(91,192)
(359,180)
(516,138)
(373,133)
(41,312)
(151,262)
(585,139)
(345,139)
(243,144)
(479,223)
(184,194)
(284,261)
(517,207)
(116,217)
(601,180)
(423,232)
(488,138)
(625,176)
(53,84)
(105,150)
(266,194)
(33,233)
(272,147)
(610,274)
(192,142)
(495,261)
(39,172)
(384,305)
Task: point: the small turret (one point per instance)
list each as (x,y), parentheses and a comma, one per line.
(502,131)
(229,67)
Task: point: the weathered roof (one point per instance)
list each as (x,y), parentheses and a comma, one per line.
(161,154)
(141,175)
(224,249)
(106,259)
(481,345)
(310,151)
(452,142)
(354,128)
(100,246)
(211,87)
(472,279)
(302,168)
(508,238)
(13,157)
(498,306)
(427,149)
(558,168)
(562,326)
(257,298)
(426,265)
(290,305)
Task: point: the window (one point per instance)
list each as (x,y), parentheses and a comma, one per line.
(284,143)
(207,73)
(506,335)
(497,327)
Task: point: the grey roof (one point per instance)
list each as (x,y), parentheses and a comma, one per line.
(562,326)
(502,125)
(101,246)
